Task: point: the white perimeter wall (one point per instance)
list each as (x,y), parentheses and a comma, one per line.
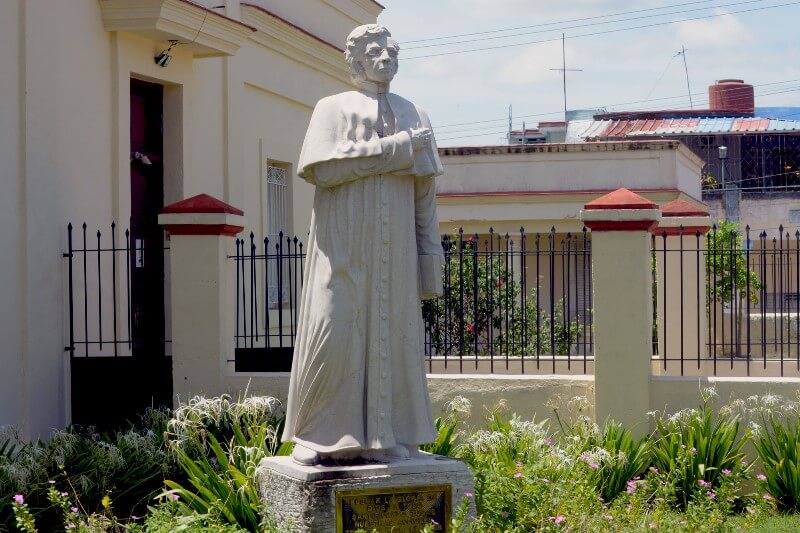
(532,397)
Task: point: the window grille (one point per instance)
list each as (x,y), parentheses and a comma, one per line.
(277,185)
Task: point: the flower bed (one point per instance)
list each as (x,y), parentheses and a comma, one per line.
(194,471)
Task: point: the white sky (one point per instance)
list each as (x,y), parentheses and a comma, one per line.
(762,47)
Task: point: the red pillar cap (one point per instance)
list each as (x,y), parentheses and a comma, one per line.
(620,199)
(682,208)
(202,203)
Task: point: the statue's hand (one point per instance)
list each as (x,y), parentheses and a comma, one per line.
(421,138)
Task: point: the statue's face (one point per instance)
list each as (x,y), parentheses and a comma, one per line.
(380,59)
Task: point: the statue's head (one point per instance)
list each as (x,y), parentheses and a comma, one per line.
(371,54)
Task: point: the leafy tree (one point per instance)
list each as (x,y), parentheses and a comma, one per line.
(485,308)
(729,280)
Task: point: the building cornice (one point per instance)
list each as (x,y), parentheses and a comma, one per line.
(371,7)
(607,146)
(296,43)
(205,32)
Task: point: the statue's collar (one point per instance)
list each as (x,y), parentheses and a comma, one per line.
(372,88)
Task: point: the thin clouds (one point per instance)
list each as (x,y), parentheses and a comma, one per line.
(759,47)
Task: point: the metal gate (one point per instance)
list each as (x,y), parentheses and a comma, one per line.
(120,359)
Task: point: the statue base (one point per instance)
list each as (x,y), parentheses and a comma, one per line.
(401,496)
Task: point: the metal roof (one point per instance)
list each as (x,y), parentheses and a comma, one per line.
(683,126)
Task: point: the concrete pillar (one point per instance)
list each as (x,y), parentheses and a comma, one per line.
(202,231)
(681,282)
(623,307)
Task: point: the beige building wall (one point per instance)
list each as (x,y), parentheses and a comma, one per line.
(13,283)
(237,97)
(763,212)
(541,186)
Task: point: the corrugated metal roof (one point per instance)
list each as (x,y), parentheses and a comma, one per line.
(684,126)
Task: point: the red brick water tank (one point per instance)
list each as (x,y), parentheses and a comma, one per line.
(731,95)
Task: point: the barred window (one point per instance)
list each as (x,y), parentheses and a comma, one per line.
(277,193)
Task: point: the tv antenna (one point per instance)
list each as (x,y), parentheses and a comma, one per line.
(564,71)
(686,70)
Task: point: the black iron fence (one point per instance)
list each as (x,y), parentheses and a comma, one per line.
(115,293)
(511,303)
(269,280)
(117,324)
(727,303)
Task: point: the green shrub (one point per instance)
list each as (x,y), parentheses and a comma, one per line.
(127,465)
(694,448)
(219,444)
(168,517)
(447,433)
(778,447)
(617,459)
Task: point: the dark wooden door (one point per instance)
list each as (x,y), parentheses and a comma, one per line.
(147,237)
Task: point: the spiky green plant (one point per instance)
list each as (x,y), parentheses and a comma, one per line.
(623,459)
(694,445)
(778,447)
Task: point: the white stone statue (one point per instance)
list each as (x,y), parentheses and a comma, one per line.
(358,385)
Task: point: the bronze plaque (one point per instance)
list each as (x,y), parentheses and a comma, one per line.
(395,509)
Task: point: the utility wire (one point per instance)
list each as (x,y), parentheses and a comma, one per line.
(607,106)
(555,23)
(486,133)
(605,32)
(588,25)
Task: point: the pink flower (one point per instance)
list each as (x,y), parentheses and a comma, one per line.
(544,480)
(519,475)
(693,451)
(711,495)
(505,514)
(548,442)
(703,483)
(499,282)
(745,463)
(73,509)
(18,499)
(174,497)
(761,477)
(557,519)
(608,517)
(726,472)
(767,497)
(631,486)
(64,494)
(594,466)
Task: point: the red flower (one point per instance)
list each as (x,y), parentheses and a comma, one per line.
(499,282)
(471,328)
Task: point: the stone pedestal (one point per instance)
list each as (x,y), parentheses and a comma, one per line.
(304,498)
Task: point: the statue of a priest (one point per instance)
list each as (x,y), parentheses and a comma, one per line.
(358,385)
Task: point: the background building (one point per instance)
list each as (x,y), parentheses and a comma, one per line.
(763,149)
